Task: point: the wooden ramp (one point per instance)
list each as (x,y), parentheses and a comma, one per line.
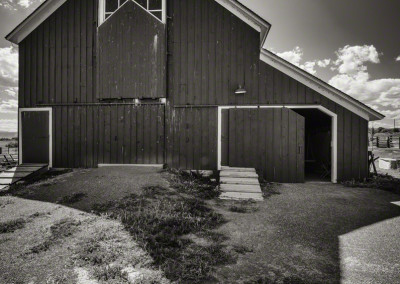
(240,184)
(20,172)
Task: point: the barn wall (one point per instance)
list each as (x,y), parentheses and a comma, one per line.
(191,138)
(211,52)
(57,60)
(88,135)
(132,55)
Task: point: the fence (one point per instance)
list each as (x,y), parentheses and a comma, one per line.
(385,142)
(9,150)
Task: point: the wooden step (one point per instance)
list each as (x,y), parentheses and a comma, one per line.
(236,180)
(23,169)
(14,174)
(238,169)
(240,188)
(241,196)
(32,165)
(238,174)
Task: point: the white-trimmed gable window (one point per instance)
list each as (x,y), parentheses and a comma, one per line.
(155,7)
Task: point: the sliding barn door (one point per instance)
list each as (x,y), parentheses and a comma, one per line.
(270,140)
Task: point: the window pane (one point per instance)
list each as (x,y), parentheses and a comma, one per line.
(157,14)
(155,4)
(142,3)
(111,5)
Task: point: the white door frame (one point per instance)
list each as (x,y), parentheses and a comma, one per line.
(48,109)
(334,129)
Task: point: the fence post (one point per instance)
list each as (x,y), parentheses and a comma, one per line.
(377,142)
(388,141)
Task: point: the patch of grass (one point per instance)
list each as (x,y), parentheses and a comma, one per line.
(383,182)
(159,218)
(110,273)
(59,231)
(241,249)
(244,206)
(72,198)
(12,225)
(269,189)
(194,184)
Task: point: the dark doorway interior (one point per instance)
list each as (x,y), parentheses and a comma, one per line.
(318,133)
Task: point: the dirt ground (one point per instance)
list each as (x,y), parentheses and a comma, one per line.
(316,233)
(301,233)
(54,243)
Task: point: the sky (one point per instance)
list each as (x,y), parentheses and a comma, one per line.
(353,45)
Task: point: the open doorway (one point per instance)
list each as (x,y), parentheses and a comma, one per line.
(318,141)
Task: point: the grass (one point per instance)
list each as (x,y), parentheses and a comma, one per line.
(159,219)
(244,206)
(193,183)
(12,225)
(383,182)
(59,231)
(72,198)
(269,189)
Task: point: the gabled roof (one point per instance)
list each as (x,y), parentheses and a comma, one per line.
(253,20)
(34,20)
(320,86)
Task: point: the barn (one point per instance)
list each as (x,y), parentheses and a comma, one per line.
(185,83)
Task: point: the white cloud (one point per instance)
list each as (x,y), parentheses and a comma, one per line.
(8,67)
(9,106)
(383,95)
(323,63)
(352,59)
(295,57)
(9,92)
(398,58)
(8,125)
(17,4)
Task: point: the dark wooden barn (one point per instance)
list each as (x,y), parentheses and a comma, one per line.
(180,82)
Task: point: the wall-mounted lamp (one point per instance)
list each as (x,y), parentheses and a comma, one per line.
(240,90)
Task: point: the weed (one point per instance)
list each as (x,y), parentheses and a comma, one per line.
(241,249)
(59,231)
(269,189)
(72,198)
(12,225)
(384,182)
(110,274)
(194,184)
(159,218)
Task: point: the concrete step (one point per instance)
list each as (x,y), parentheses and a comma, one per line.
(238,174)
(236,180)
(238,169)
(14,174)
(240,188)
(241,196)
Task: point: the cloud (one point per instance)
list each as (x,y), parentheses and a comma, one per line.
(17,4)
(9,92)
(398,58)
(8,67)
(8,106)
(352,59)
(8,125)
(323,63)
(295,56)
(383,95)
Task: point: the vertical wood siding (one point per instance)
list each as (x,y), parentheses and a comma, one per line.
(58,63)
(212,52)
(191,139)
(131,54)
(270,140)
(86,136)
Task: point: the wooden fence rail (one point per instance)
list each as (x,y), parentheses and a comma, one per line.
(385,142)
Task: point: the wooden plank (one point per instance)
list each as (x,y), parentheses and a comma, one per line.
(40,65)
(113,134)
(347,145)
(83,137)
(363,148)
(76,136)
(121,121)
(107,135)
(285,145)
(340,143)
(355,146)
(301,147)
(77,50)
(277,134)
(140,136)
(134,137)
(90,134)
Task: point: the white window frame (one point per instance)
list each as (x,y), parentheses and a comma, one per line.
(103,13)
(50,111)
(334,128)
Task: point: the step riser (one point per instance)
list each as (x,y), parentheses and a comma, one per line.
(238,169)
(247,181)
(240,188)
(241,196)
(238,174)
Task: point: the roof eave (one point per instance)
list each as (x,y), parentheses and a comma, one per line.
(34,20)
(320,86)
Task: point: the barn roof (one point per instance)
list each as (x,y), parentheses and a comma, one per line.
(50,6)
